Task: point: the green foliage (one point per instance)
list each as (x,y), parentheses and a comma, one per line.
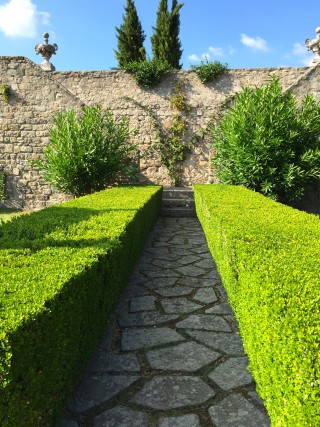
(269,143)
(86,153)
(166,45)
(2,186)
(148,73)
(209,71)
(179,98)
(268,258)
(5,91)
(62,270)
(130,37)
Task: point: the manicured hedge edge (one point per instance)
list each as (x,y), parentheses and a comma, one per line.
(268,258)
(62,269)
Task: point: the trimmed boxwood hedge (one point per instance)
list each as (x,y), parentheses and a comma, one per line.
(62,269)
(268,258)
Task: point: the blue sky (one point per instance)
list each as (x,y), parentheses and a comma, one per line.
(241,33)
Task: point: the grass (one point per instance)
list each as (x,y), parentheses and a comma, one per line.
(6,214)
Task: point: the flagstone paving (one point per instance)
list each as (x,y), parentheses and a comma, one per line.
(171,355)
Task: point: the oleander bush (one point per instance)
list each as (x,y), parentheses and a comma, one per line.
(62,270)
(268,258)
(87,152)
(269,142)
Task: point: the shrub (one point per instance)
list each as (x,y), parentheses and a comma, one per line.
(87,153)
(268,258)
(209,71)
(62,270)
(1,186)
(148,73)
(269,143)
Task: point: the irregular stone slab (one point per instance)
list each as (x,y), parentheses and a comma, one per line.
(232,373)
(145,319)
(206,295)
(114,363)
(160,282)
(121,416)
(235,410)
(179,305)
(174,291)
(69,423)
(188,356)
(189,259)
(201,249)
(255,396)
(106,342)
(205,263)
(223,308)
(94,390)
(144,338)
(144,303)
(230,344)
(223,293)
(214,275)
(206,322)
(160,273)
(196,283)
(190,420)
(166,393)
(190,271)
(164,264)
(134,291)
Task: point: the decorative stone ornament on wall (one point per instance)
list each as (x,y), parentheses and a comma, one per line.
(314,46)
(46,50)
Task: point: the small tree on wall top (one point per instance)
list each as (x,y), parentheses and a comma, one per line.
(166,45)
(130,37)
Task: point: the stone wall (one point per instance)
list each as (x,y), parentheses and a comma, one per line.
(24,122)
(37,96)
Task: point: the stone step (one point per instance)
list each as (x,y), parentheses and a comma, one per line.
(178,202)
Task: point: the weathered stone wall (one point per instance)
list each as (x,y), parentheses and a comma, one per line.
(38,95)
(24,122)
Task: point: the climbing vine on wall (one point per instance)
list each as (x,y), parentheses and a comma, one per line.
(172,144)
(5,92)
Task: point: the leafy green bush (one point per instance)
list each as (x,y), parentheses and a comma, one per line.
(269,143)
(268,258)
(209,71)
(62,270)
(1,186)
(148,73)
(87,153)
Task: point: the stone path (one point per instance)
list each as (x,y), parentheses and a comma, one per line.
(171,355)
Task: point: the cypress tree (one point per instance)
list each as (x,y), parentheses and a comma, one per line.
(130,37)
(165,41)
(176,51)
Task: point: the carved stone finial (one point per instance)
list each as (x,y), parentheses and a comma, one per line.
(46,50)
(314,46)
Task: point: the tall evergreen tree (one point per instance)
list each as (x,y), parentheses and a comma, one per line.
(165,41)
(130,37)
(176,51)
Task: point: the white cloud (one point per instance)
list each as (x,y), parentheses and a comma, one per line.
(194,58)
(231,50)
(216,51)
(303,55)
(19,18)
(257,43)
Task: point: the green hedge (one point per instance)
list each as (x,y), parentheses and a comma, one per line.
(268,257)
(61,271)
(1,186)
